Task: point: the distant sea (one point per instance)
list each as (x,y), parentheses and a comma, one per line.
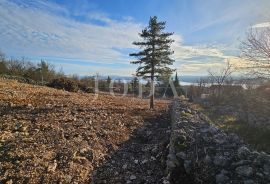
(184,80)
(183,83)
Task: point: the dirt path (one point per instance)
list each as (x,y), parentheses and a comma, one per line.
(142,158)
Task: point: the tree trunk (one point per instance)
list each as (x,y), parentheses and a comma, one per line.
(152,94)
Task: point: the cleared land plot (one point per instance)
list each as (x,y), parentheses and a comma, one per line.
(50,135)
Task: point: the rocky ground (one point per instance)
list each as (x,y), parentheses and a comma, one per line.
(205,154)
(142,159)
(54,136)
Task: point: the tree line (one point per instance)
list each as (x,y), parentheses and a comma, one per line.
(44,73)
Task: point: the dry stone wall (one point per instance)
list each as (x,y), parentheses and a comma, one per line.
(202,153)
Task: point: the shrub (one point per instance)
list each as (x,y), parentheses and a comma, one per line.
(64,83)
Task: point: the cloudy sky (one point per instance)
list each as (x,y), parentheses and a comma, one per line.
(90,36)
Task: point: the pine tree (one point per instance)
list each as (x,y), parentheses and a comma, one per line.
(176,81)
(135,85)
(155,56)
(3,64)
(108,82)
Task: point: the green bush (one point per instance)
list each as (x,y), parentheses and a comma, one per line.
(64,83)
(18,78)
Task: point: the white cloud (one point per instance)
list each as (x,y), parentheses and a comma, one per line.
(262,25)
(188,52)
(34,32)
(40,30)
(92,70)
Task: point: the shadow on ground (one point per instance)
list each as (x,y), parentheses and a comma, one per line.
(141,159)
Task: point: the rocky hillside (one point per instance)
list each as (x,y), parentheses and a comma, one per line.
(202,153)
(54,136)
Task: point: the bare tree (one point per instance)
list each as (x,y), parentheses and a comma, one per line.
(256,50)
(221,78)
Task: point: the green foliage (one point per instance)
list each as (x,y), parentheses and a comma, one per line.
(64,83)
(109,80)
(257,137)
(42,72)
(3,67)
(155,56)
(135,85)
(165,88)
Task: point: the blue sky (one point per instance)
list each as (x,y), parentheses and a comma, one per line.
(94,36)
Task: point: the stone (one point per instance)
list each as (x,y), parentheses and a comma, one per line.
(249,182)
(220,161)
(241,162)
(144,161)
(243,152)
(165,181)
(124,166)
(266,169)
(220,138)
(222,178)
(68,178)
(188,111)
(245,171)
(207,159)
(181,155)
(132,177)
(172,161)
(260,175)
(52,167)
(187,166)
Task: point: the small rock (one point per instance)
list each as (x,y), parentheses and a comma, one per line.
(249,182)
(220,161)
(144,161)
(244,171)
(207,159)
(165,181)
(181,155)
(222,178)
(220,138)
(9,182)
(52,167)
(266,169)
(124,166)
(241,162)
(68,178)
(48,105)
(132,177)
(136,161)
(172,161)
(260,175)
(243,152)
(187,165)
(188,111)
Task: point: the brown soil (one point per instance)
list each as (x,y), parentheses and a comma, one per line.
(54,136)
